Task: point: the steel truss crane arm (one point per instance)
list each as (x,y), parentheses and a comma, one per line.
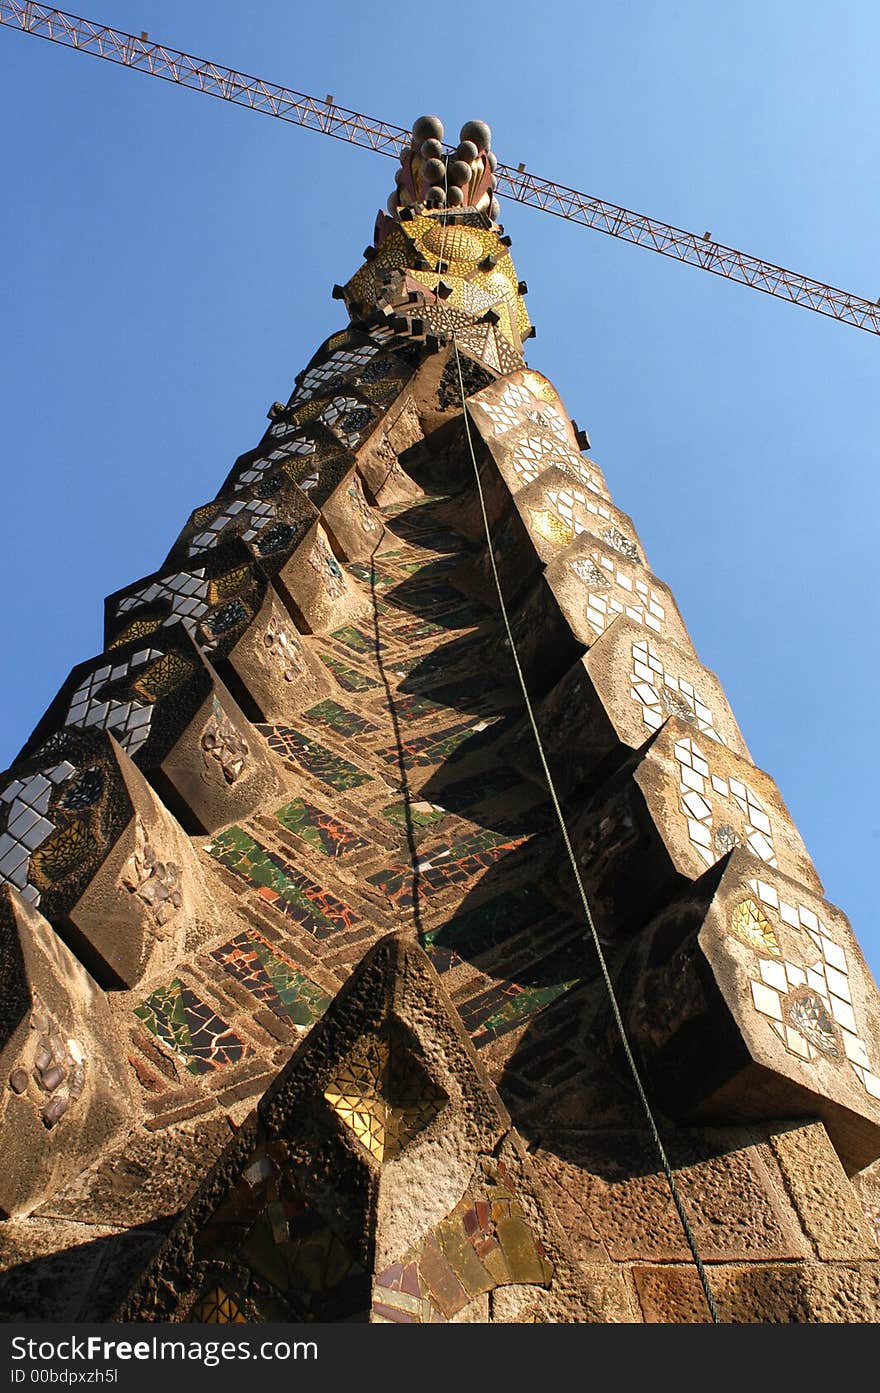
(141,53)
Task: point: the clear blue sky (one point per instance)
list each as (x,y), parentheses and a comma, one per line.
(167,267)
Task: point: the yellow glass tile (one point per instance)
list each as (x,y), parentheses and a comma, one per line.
(549,526)
(139,629)
(749,923)
(383,1096)
(217,1307)
(161,677)
(221,587)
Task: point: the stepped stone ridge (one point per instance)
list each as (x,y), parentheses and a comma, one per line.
(299,1014)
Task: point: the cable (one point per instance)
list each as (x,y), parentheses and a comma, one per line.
(588,915)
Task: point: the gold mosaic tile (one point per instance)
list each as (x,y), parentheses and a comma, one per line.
(549,526)
(217,1308)
(384,1096)
(749,923)
(162,677)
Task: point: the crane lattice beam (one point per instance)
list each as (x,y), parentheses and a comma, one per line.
(172,65)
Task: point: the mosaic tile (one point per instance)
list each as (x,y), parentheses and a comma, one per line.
(477,930)
(265,1224)
(418,629)
(440,868)
(189,1026)
(348,677)
(384,1095)
(467,794)
(371,575)
(283,886)
(314,758)
(436,564)
(318,829)
(415,706)
(354,639)
(271,978)
(503,1007)
(485,1242)
(420,812)
(332,716)
(217,1307)
(434,747)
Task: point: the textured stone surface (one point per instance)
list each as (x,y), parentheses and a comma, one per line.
(825,1201)
(775,1293)
(614,1179)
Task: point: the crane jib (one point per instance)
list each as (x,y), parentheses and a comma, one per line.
(216,80)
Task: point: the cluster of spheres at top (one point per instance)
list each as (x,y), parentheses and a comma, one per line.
(432,178)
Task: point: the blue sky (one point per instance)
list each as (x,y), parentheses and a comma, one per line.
(168,261)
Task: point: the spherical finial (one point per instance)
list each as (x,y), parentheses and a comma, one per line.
(455,197)
(478,132)
(460,172)
(427,128)
(435,197)
(434,172)
(432,150)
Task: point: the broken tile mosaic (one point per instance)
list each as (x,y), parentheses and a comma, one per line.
(271,978)
(314,758)
(318,829)
(189,1026)
(288,890)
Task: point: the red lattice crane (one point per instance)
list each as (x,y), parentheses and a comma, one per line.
(141,53)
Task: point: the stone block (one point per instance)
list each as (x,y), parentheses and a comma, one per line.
(268,510)
(749,998)
(84,837)
(518,405)
(352,358)
(735,1202)
(224,600)
(173,716)
(395,1162)
(65,1093)
(828,1206)
(531,528)
(571,604)
(614,699)
(668,815)
(772,1293)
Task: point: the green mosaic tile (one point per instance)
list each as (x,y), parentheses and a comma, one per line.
(505,1006)
(332,716)
(191,1028)
(314,758)
(477,930)
(422,814)
(280,884)
(354,639)
(272,979)
(348,677)
(318,829)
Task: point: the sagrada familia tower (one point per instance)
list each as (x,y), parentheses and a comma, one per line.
(303,1016)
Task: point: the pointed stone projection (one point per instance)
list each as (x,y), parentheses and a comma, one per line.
(172,715)
(225,601)
(670,812)
(281,527)
(617,697)
(749,998)
(586,588)
(64,1093)
(380,1179)
(84,837)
